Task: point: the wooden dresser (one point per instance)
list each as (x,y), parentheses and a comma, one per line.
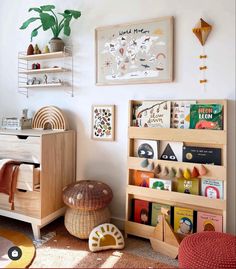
(48,159)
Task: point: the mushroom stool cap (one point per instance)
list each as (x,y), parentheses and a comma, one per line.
(87,195)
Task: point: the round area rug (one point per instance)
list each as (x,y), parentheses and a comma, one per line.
(22,250)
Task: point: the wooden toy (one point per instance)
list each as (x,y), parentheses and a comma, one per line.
(179,173)
(150,166)
(157,169)
(166,171)
(187,174)
(195,172)
(163,239)
(49,117)
(202,170)
(144,163)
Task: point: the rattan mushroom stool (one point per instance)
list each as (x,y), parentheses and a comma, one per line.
(87,202)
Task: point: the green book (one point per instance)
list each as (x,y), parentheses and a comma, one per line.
(156,212)
(206,116)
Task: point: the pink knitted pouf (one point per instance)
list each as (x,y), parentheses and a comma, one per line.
(208,250)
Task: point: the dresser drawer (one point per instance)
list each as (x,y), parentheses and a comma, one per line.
(28,177)
(22,148)
(27,203)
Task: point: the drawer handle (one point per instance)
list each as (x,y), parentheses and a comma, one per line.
(20,190)
(22,137)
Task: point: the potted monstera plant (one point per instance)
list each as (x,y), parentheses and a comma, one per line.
(49,20)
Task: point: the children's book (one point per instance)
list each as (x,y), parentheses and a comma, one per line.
(206,116)
(156,213)
(171,151)
(189,186)
(141,178)
(209,222)
(160,184)
(180,114)
(202,155)
(183,220)
(142,211)
(146,149)
(154,114)
(212,188)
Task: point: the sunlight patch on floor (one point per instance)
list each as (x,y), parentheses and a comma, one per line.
(112,260)
(62,258)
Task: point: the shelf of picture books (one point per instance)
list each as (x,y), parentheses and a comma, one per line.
(177,160)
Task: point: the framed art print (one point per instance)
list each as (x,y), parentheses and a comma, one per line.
(140,52)
(103,122)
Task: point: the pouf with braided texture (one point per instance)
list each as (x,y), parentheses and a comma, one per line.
(208,250)
(87,201)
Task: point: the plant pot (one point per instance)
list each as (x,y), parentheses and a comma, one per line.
(56,44)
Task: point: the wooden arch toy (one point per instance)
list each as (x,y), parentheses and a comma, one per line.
(49,117)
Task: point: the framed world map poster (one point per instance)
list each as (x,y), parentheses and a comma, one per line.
(140,52)
(103,124)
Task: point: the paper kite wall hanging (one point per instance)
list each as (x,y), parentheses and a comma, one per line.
(202,31)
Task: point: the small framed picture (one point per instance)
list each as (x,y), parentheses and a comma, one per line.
(103,122)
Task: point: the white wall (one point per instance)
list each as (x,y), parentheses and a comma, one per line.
(107,160)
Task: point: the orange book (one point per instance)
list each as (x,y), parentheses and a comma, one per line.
(141,178)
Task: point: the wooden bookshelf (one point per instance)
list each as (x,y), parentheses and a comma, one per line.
(190,137)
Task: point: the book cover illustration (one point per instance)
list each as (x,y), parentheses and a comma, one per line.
(180,114)
(154,114)
(171,151)
(156,213)
(212,188)
(209,222)
(206,116)
(146,149)
(189,186)
(141,211)
(183,220)
(141,178)
(202,155)
(160,184)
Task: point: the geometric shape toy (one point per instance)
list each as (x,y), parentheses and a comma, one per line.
(202,31)
(49,117)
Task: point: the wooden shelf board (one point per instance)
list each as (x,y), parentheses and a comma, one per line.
(43,56)
(195,202)
(138,229)
(43,70)
(213,171)
(43,85)
(171,134)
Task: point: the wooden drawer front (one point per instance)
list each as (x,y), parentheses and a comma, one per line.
(27,203)
(28,177)
(23,148)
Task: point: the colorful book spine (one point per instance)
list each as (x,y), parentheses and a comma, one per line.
(160,184)
(209,222)
(206,116)
(212,188)
(142,211)
(156,213)
(183,220)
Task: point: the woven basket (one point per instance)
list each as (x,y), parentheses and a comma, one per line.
(87,195)
(80,223)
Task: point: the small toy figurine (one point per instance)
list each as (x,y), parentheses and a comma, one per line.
(45,81)
(30,50)
(36,49)
(46,49)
